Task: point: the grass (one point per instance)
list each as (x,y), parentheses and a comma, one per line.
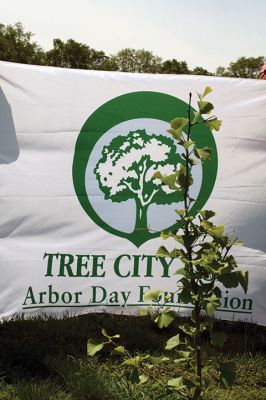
(45,359)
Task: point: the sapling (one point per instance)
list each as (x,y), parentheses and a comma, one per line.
(204,251)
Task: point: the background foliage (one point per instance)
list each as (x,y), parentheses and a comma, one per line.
(17,45)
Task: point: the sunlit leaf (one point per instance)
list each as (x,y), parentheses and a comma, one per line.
(164,318)
(181,271)
(162,252)
(145,311)
(205,107)
(119,350)
(207,214)
(175,253)
(108,336)
(187,144)
(204,154)
(153,295)
(93,347)
(176,383)
(187,329)
(179,123)
(212,303)
(165,235)
(134,361)
(182,355)
(143,379)
(173,342)
(176,133)
(180,212)
(158,360)
(207,90)
(214,124)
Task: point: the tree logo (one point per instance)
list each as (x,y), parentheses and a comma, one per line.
(128,165)
(119,149)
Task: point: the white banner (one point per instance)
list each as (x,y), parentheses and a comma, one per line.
(77,153)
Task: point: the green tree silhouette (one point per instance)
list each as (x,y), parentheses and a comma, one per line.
(16,45)
(126,171)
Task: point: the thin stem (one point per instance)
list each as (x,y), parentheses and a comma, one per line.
(186,194)
(198,349)
(195,287)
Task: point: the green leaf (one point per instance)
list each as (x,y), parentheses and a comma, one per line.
(179,239)
(187,144)
(217,291)
(214,124)
(187,329)
(233,279)
(153,295)
(157,175)
(180,212)
(176,133)
(134,361)
(227,374)
(204,154)
(207,214)
(164,318)
(181,271)
(93,347)
(175,253)
(192,162)
(205,107)
(185,296)
(179,123)
(145,311)
(176,383)
(119,350)
(212,229)
(170,180)
(229,280)
(207,90)
(173,342)
(158,360)
(217,230)
(143,379)
(218,338)
(182,356)
(212,303)
(166,235)
(162,252)
(243,280)
(196,115)
(108,336)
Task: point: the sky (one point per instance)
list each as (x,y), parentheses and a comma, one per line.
(206,33)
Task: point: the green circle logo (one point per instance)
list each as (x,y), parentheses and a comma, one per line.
(117,152)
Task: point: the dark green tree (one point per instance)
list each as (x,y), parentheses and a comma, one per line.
(16,45)
(174,67)
(201,71)
(126,168)
(72,54)
(131,60)
(221,71)
(243,67)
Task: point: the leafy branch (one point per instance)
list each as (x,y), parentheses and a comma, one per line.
(204,251)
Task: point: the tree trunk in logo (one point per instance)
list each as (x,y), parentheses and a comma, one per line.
(141,216)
